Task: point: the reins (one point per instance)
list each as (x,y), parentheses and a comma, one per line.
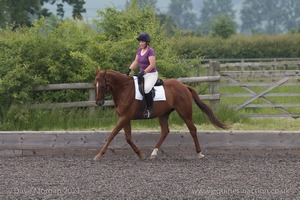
(106,88)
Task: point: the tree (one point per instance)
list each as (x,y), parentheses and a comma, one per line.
(292,14)
(168,22)
(269,16)
(77,8)
(120,29)
(212,9)
(143,3)
(20,12)
(181,12)
(23,12)
(2,14)
(251,19)
(223,26)
(76,4)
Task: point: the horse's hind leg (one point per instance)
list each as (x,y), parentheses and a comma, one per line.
(163,121)
(187,118)
(193,131)
(127,129)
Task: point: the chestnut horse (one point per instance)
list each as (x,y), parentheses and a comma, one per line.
(179,97)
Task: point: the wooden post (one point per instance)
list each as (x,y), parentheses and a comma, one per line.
(242,64)
(214,87)
(92,94)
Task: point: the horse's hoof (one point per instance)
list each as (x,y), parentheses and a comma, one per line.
(154,153)
(96,158)
(200,155)
(142,156)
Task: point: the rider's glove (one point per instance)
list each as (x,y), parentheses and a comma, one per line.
(128,71)
(141,74)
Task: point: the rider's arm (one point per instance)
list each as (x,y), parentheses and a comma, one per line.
(135,63)
(152,64)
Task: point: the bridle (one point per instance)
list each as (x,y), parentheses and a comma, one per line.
(106,87)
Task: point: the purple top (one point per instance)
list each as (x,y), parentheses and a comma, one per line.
(144,59)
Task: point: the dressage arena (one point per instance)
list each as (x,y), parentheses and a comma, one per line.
(176,173)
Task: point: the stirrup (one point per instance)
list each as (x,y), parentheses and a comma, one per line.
(148,114)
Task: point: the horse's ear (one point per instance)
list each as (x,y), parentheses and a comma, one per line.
(97,70)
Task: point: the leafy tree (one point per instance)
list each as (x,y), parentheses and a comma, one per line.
(44,54)
(295,30)
(2,13)
(20,12)
(76,4)
(145,3)
(66,51)
(212,9)
(120,29)
(23,12)
(77,8)
(251,19)
(223,26)
(181,12)
(292,14)
(270,17)
(168,22)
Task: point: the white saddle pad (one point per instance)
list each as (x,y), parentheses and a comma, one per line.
(160,94)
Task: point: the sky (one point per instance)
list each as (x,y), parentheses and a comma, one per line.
(92,6)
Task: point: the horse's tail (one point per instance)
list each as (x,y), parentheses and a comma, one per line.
(206,109)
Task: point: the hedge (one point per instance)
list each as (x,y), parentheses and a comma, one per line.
(240,46)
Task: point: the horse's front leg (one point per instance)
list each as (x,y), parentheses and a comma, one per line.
(127,130)
(110,137)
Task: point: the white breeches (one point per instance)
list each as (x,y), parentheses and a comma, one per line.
(149,81)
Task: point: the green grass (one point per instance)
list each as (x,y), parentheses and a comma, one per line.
(100,118)
(105,119)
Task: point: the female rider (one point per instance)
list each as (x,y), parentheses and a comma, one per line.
(145,58)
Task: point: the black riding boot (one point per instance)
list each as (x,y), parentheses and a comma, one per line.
(149,103)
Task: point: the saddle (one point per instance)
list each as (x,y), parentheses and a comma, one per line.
(159,82)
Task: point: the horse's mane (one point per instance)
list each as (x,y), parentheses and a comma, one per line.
(118,78)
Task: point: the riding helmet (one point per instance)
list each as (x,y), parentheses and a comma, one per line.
(144,37)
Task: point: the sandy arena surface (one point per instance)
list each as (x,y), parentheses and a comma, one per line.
(172,175)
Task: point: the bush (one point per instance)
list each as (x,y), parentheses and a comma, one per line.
(55,51)
(223,26)
(121,29)
(239,46)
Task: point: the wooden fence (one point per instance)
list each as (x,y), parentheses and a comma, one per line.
(265,74)
(214,95)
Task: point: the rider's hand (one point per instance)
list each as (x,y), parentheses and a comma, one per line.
(128,71)
(141,74)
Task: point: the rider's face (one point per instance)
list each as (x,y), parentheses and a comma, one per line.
(143,44)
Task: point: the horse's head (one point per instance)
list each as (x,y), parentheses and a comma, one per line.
(101,87)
